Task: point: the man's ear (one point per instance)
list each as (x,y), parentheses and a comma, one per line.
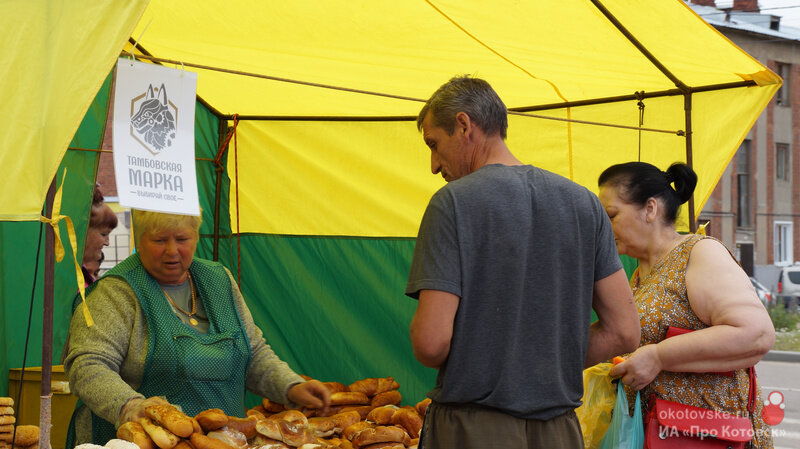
(463,123)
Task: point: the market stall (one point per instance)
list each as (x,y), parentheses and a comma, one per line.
(312,174)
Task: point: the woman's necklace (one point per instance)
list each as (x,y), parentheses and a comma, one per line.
(194,302)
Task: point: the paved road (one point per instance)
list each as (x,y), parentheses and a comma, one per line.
(783,377)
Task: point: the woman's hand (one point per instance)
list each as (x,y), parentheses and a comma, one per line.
(311,394)
(134,408)
(640,368)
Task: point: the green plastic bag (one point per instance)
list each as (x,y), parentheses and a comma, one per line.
(625,432)
(599,395)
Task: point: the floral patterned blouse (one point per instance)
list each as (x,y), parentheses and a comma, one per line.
(662,302)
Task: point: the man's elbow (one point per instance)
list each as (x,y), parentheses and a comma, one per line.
(631,337)
(627,338)
(429,358)
(428,352)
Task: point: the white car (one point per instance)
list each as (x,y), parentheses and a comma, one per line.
(766,296)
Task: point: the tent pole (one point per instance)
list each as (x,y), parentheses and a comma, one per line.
(223,128)
(47,324)
(687,106)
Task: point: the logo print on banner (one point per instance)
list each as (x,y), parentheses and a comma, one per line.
(153,123)
(773,408)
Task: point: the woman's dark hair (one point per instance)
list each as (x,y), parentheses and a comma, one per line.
(640,181)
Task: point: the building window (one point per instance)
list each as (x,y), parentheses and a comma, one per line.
(783,243)
(782,161)
(743,185)
(784,92)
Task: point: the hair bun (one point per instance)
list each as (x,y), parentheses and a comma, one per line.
(683,178)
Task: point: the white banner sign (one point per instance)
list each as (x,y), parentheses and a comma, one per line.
(154,138)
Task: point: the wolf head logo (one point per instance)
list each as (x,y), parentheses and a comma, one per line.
(154,122)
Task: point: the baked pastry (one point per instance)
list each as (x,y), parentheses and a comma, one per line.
(161,436)
(374,385)
(272,407)
(422,406)
(200,441)
(246,426)
(134,432)
(382,415)
(212,419)
(171,419)
(349,398)
(336,387)
(392,397)
(344,420)
(408,419)
(379,434)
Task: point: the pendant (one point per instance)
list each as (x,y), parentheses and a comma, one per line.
(193,321)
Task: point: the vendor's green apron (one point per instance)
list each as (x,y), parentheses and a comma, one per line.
(193,370)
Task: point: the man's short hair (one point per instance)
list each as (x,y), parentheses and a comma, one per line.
(473,96)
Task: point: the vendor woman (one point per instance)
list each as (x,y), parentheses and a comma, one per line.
(170,327)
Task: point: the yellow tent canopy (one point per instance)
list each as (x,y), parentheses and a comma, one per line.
(327,91)
(328,171)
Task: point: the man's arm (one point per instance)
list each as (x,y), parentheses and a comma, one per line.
(617,329)
(432,326)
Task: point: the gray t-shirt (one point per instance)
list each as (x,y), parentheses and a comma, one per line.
(522,248)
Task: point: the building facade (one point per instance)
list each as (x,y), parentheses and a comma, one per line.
(754,208)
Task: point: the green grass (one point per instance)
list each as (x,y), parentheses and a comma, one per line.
(787,333)
(787,341)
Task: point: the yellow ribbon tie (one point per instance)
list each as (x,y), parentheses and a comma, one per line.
(59,247)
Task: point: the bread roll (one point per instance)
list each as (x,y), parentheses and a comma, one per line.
(374,385)
(322,426)
(171,419)
(269,428)
(379,434)
(253,412)
(133,432)
(392,397)
(272,407)
(295,435)
(336,387)
(161,436)
(391,445)
(212,419)
(200,441)
(362,410)
(247,426)
(230,437)
(196,426)
(7,419)
(292,416)
(117,443)
(408,419)
(382,415)
(352,430)
(184,444)
(261,442)
(422,406)
(344,420)
(345,444)
(349,398)
(6,401)
(6,410)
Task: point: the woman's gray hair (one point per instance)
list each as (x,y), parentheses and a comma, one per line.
(147,221)
(473,96)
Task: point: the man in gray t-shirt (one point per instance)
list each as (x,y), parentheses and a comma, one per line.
(509,261)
